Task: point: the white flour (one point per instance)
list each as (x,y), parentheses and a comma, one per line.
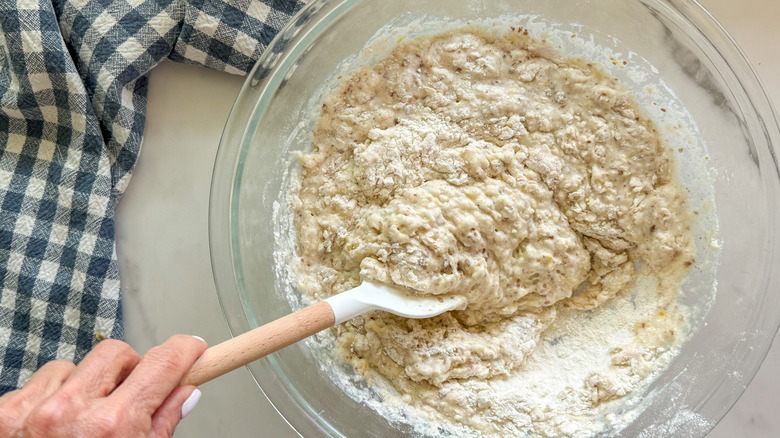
(488,165)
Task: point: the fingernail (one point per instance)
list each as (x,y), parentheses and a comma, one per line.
(198,337)
(190,403)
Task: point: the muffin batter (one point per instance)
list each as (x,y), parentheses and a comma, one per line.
(488,165)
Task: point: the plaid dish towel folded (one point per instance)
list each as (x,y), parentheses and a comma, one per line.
(73,86)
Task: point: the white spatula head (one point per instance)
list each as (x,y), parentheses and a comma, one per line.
(289,329)
(376,296)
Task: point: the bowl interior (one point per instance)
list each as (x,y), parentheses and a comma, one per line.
(726,126)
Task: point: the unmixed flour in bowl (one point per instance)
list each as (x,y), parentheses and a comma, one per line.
(487,164)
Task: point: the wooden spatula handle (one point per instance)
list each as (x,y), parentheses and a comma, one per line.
(259,342)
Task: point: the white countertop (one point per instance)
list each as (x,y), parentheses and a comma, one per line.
(162,235)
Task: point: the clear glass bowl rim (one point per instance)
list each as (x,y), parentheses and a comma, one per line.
(268,73)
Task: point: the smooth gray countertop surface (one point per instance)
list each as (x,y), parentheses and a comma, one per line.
(162,236)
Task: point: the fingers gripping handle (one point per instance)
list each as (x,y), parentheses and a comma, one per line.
(260,342)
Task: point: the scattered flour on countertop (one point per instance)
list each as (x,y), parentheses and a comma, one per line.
(488,165)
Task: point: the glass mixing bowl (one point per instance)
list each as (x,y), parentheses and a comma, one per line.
(676,40)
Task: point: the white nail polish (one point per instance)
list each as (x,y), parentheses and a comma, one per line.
(190,403)
(198,337)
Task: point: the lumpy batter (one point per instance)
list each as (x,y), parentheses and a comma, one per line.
(488,165)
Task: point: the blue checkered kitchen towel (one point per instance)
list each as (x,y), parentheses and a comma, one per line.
(73,86)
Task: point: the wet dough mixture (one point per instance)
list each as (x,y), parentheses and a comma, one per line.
(487,164)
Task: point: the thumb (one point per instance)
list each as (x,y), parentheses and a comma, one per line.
(169,414)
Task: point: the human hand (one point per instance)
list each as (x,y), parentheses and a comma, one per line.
(112,392)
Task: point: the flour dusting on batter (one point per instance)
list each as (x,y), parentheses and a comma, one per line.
(488,165)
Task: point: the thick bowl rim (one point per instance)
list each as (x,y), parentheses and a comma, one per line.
(292,40)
